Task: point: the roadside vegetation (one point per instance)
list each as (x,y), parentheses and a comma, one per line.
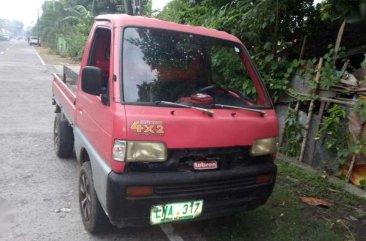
(65,24)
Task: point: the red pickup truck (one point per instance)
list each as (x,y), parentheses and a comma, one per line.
(169,122)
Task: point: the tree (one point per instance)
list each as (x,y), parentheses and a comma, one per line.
(50,22)
(78,15)
(351,11)
(79,23)
(66,23)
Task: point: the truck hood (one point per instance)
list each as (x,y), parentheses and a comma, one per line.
(189,128)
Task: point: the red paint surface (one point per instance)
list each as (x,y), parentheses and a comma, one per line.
(188,128)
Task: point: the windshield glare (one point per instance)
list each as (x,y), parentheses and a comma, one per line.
(160,65)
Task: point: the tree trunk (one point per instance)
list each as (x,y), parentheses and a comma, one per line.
(275,34)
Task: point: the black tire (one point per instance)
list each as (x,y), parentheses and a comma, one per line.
(63,137)
(92,214)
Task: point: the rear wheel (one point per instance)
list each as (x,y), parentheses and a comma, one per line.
(63,137)
(92,214)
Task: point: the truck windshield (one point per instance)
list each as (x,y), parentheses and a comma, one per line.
(161,65)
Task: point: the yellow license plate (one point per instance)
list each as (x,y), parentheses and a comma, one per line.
(175,211)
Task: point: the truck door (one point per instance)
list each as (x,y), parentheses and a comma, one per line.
(94,116)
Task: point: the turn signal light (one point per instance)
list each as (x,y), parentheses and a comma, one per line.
(142,191)
(119,150)
(262,179)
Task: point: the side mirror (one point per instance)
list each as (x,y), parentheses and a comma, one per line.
(91,80)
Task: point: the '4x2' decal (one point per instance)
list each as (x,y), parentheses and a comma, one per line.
(146,127)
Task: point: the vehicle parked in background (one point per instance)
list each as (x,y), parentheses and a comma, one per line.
(34,40)
(161,126)
(4,37)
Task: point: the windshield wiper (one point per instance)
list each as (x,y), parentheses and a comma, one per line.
(261,112)
(167,103)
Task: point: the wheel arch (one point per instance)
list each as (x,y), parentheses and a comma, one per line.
(83,156)
(63,136)
(85,152)
(57,109)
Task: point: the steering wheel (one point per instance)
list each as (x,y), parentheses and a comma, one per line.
(211,89)
(220,92)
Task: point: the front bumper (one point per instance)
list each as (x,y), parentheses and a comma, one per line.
(223,192)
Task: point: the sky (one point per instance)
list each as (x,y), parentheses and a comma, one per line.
(22,10)
(157,4)
(26,10)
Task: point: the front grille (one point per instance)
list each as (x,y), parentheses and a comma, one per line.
(183,159)
(227,158)
(210,187)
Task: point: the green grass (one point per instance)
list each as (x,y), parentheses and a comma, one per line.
(285,217)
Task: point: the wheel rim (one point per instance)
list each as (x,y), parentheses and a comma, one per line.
(55,133)
(85,202)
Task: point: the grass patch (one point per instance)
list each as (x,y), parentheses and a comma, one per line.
(51,57)
(285,217)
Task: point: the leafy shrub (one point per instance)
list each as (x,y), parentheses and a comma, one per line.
(293,134)
(75,44)
(332,128)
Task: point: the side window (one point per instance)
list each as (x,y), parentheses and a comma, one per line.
(99,56)
(100,51)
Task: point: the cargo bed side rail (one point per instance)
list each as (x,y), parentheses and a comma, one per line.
(64,97)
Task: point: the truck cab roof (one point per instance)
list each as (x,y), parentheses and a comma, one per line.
(124,20)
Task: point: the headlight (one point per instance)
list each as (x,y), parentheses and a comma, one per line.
(141,151)
(263,147)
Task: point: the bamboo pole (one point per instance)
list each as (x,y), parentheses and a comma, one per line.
(354,155)
(303,47)
(313,143)
(310,113)
(339,39)
(342,102)
(326,99)
(350,169)
(297,106)
(300,58)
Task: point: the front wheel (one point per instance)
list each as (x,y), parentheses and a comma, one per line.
(94,218)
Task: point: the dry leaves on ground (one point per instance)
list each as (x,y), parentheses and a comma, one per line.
(315,202)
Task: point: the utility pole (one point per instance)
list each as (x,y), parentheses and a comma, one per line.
(128,7)
(93,8)
(38,26)
(134,7)
(141,9)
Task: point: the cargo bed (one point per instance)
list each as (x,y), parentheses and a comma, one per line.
(64,88)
